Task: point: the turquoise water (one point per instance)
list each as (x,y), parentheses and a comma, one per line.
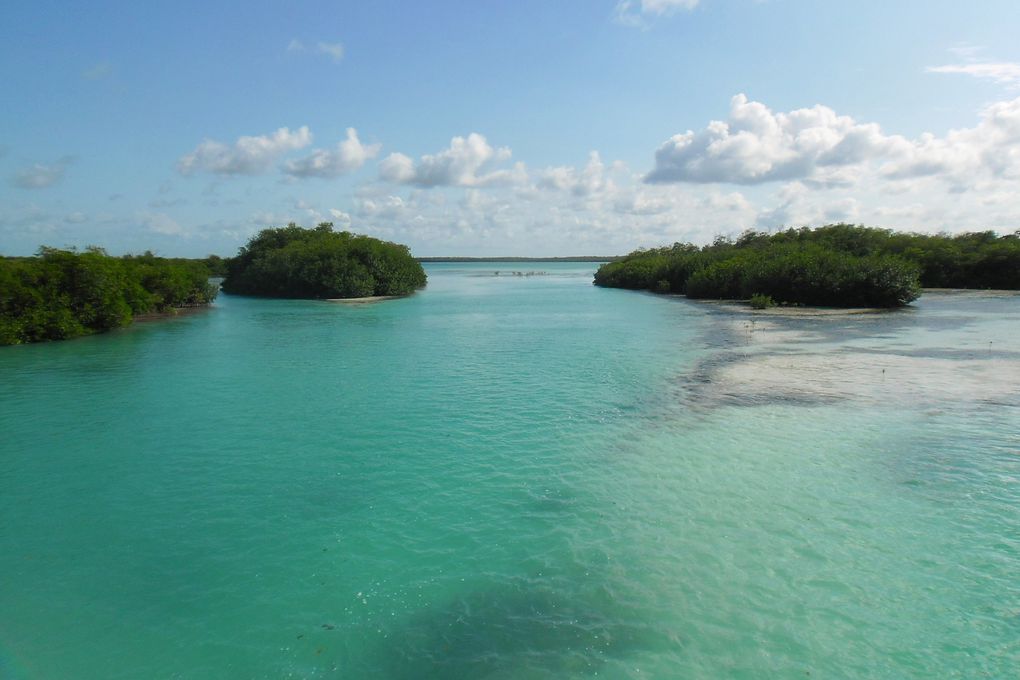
(515,477)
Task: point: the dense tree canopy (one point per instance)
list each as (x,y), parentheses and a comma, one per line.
(293,262)
(64,294)
(839,265)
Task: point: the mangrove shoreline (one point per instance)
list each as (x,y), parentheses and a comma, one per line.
(838,265)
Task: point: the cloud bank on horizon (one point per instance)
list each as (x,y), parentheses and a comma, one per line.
(816,145)
(472,191)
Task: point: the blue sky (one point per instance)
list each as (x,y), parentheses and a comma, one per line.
(515,128)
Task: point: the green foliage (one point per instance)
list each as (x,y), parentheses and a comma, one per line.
(759,301)
(216,265)
(292,262)
(838,265)
(163,284)
(64,294)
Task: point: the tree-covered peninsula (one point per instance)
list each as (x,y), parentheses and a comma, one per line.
(61,294)
(319,263)
(839,265)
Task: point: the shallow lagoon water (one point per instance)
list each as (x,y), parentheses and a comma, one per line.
(515,477)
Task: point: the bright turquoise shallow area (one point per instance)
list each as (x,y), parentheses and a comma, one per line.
(515,477)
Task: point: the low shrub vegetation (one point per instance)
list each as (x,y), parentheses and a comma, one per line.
(319,263)
(63,294)
(839,265)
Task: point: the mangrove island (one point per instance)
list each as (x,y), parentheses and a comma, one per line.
(838,265)
(319,263)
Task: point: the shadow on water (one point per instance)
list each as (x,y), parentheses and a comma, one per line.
(513,631)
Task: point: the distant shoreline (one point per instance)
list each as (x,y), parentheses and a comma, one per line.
(573,258)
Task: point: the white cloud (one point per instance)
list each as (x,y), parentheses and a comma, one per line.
(390,206)
(41,175)
(635,12)
(666,6)
(990,150)
(967,51)
(598,207)
(804,167)
(161,223)
(334,50)
(1003,73)
(756,145)
(467,162)
(759,168)
(348,156)
(340,218)
(823,149)
(589,180)
(397,168)
(246,156)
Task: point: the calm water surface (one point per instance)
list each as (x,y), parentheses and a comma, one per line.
(515,477)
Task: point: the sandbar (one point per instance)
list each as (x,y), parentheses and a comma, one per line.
(365,300)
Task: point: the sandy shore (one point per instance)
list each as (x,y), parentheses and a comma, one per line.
(971,292)
(744,307)
(792,311)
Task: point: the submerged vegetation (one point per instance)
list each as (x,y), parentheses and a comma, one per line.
(63,294)
(839,265)
(319,263)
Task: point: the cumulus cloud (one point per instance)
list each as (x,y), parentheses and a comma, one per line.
(585,182)
(246,156)
(391,207)
(756,145)
(617,217)
(636,12)
(348,156)
(41,175)
(823,149)
(991,149)
(340,218)
(397,168)
(467,162)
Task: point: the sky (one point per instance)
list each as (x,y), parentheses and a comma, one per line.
(525,127)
